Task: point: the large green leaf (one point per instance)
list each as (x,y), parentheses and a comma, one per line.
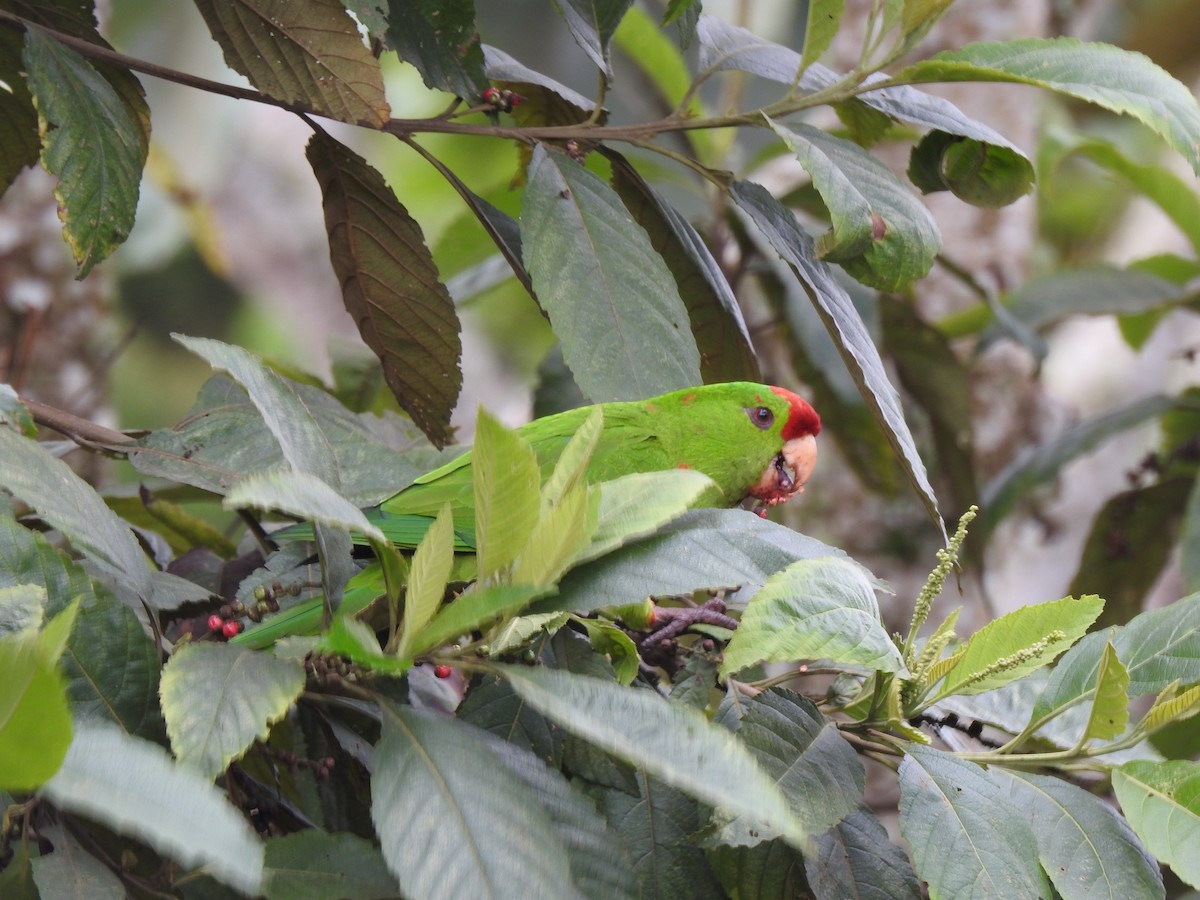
(91,140)
(429,575)
(444,809)
(1162,803)
(19,142)
(390,285)
(35,721)
(1085,847)
(882,234)
(844,325)
(440,39)
(303,53)
(302,495)
(968,840)
(592,24)
(611,299)
(673,743)
(473,610)
(219,699)
(820,608)
(639,504)
(1116,79)
(856,858)
(507,500)
(133,787)
(316,865)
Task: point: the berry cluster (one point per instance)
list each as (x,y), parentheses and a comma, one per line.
(501,100)
(224,620)
(330,669)
(320,767)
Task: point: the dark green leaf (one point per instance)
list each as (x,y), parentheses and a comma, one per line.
(314,865)
(502,67)
(768,871)
(625,336)
(856,858)
(592,24)
(390,285)
(309,54)
(440,39)
(981,174)
(71,872)
(19,141)
(495,707)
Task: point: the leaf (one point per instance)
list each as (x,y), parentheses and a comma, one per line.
(844,325)
(473,610)
(310,54)
(1118,80)
(132,787)
(1170,707)
(855,858)
(824,17)
(444,809)
(673,743)
(1085,847)
(1110,709)
(949,810)
(70,871)
(882,235)
(22,608)
(592,24)
(1162,804)
(219,699)
(814,609)
(610,641)
(315,865)
(390,284)
(502,67)
(33,714)
(302,495)
(1003,650)
(626,335)
(507,498)
(440,39)
(571,466)
(976,172)
(492,705)
(722,338)
(639,504)
(91,141)
(19,141)
(557,539)
(770,871)
(428,577)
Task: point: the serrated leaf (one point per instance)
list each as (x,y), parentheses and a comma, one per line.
(492,704)
(91,141)
(882,235)
(948,813)
(673,743)
(1085,847)
(572,463)
(627,336)
(133,787)
(592,24)
(219,699)
(824,17)
(302,495)
(19,142)
(22,608)
(474,610)
(1115,79)
(443,808)
(315,865)
(440,39)
(1170,707)
(502,67)
(844,325)
(34,715)
(558,538)
(1162,803)
(302,53)
(856,858)
(821,608)
(390,285)
(507,499)
(428,577)
(1005,644)
(636,505)
(1110,708)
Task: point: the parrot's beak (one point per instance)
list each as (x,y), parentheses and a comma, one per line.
(788,473)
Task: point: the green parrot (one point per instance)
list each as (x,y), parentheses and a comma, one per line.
(754,441)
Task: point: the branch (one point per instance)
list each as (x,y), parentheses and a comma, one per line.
(81,431)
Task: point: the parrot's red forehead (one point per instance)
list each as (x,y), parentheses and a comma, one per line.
(802,419)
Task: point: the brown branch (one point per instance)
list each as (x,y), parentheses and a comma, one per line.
(82,431)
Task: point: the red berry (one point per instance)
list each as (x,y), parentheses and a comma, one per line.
(231,629)
(442,671)
(215,622)
(491,95)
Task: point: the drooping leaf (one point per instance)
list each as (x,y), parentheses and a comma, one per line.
(91,140)
(35,721)
(315,865)
(625,335)
(856,858)
(948,813)
(976,172)
(299,494)
(133,787)
(309,54)
(1118,80)
(219,699)
(507,498)
(440,39)
(845,326)
(390,285)
(592,24)
(820,608)
(1162,803)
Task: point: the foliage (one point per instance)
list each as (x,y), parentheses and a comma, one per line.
(521,718)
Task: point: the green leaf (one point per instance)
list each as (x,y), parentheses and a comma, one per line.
(440,39)
(976,172)
(673,743)
(133,787)
(1170,707)
(1118,80)
(856,858)
(33,714)
(19,142)
(626,336)
(1162,803)
(390,283)
(882,235)
(474,610)
(639,504)
(434,770)
(70,871)
(428,577)
(507,499)
(1110,709)
(771,870)
(91,141)
(12,410)
(609,640)
(22,607)
(1085,847)
(219,699)
(821,608)
(302,495)
(823,20)
(844,325)
(1189,540)
(315,865)
(949,814)
(573,461)
(592,24)
(1003,650)
(557,539)
(309,54)
(16,880)
(493,705)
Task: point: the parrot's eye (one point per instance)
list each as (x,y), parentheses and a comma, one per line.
(761,416)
